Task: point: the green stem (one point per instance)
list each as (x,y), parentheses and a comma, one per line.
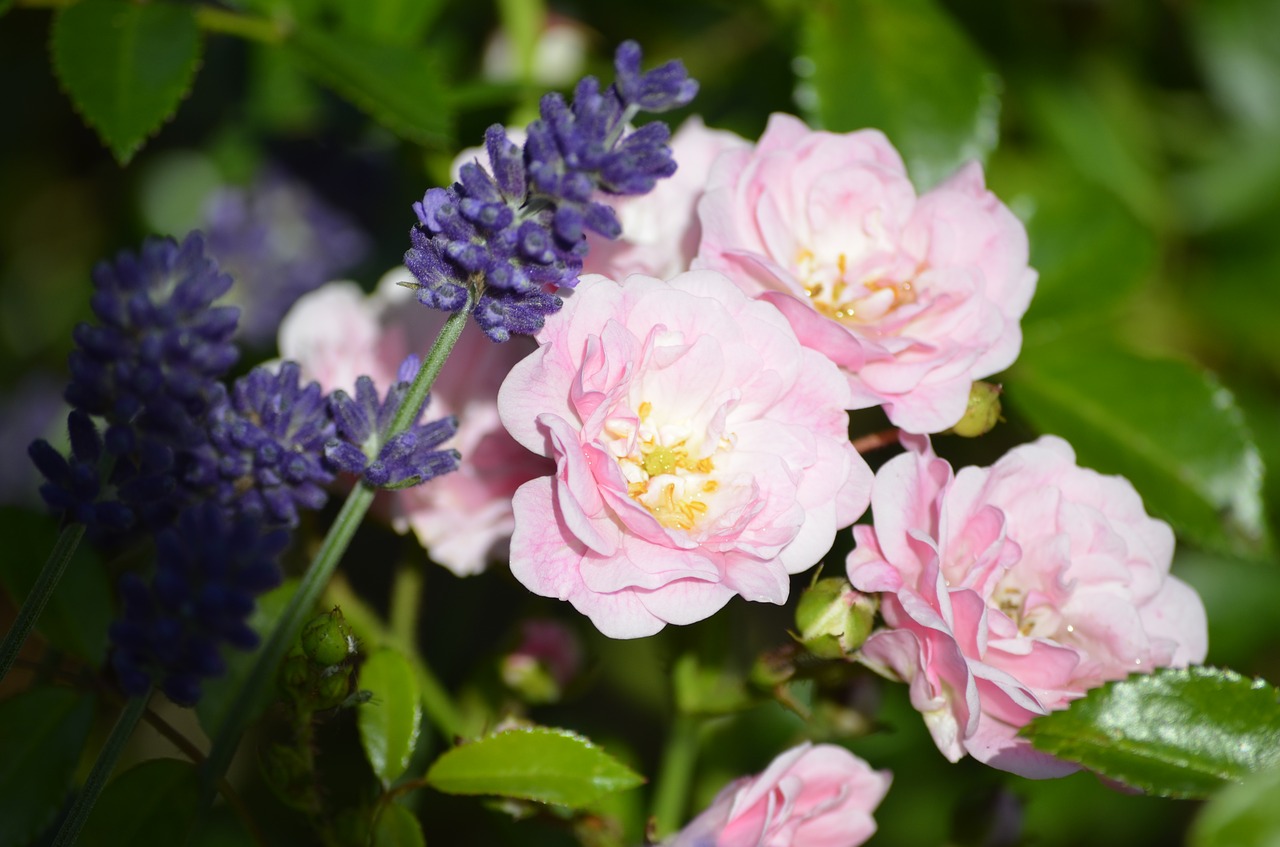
(249,28)
(102,768)
(369,628)
(675,775)
(406,599)
(39,595)
(301,605)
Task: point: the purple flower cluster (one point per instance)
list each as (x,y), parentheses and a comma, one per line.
(209,570)
(511,236)
(401,461)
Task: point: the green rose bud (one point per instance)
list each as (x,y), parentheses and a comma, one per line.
(982,413)
(327,640)
(832,619)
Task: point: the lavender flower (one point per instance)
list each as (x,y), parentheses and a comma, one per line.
(150,371)
(264,455)
(279,240)
(209,570)
(513,235)
(407,459)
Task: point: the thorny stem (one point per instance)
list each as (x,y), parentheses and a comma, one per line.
(877,440)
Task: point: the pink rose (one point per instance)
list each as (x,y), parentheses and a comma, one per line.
(700,453)
(336,333)
(810,796)
(660,230)
(914,297)
(1010,591)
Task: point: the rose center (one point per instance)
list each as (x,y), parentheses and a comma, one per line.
(833,292)
(665,472)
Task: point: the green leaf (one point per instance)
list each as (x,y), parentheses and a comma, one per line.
(397,85)
(220,692)
(905,68)
(79,611)
(42,733)
(388,21)
(1092,254)
(397,827)
(1168,427)
(153,803)
(126,66)
(1234,40)
(391,719)
(1245,815)
(1174,733)
(537,763)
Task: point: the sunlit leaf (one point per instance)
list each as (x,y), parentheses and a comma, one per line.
(391,719)
(907,69)
(42,733)
(126,66)
(1175,733)
(537,763)
(152,803)
(1168,427)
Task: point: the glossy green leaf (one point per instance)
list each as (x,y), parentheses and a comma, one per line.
(1245,815)
(220,692)
(397,827)
(1174,733)
(79,611)
(391,719)
(1168,427)
(397,85)
(126,66)
(387,21)
(905,68)
(42,733)
(152,803)
(537,763)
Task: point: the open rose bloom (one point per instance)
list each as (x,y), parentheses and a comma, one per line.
(810,796)
(701,452)
(915,297)
(1011,590)
(337,333)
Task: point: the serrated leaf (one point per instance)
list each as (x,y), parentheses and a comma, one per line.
(390,721)
(1245,815)
(1170,428)
(905,68)
(397,85)
(78,613)
(220,692)
(152,803)
(126,66)
(42,733)
(1174,733)
(540,764)
(397,827)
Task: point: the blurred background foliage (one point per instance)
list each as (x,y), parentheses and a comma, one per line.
(1140,141)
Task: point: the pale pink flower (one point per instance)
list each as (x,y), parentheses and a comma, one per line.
(660,230)
(1009,591)
(701,452)
(336,333)
(914,297)
(810,796)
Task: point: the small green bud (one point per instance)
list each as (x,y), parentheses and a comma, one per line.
(332,689)
(529,678)
(982,412)
(832,619)
(327,640)
(295,673)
